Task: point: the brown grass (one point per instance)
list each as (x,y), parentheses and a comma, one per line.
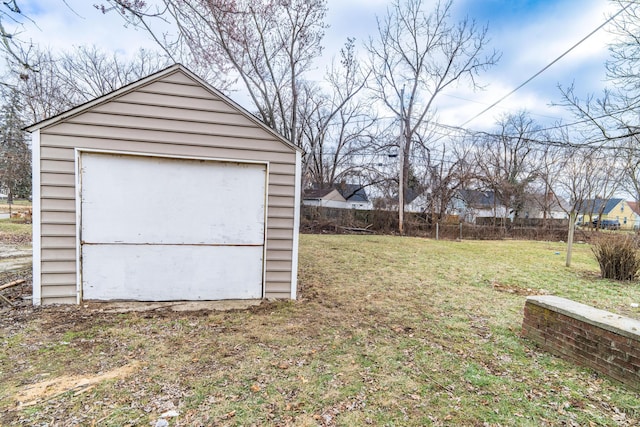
(388,331)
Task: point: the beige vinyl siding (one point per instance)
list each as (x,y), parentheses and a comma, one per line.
(55,205)
(172,117)
(59,217)
(58,242)
(60,254)
(59,179)
(279,255)
(284,213)
(160,143)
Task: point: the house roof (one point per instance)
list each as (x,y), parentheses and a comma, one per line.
(176,68)
(477,198)
(321,193)
(634,207)
(317,193)
(409,196)
(353,192)
(604,206)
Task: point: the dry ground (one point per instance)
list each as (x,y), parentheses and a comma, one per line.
(388,331)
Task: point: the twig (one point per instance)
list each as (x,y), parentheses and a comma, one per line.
(3,298)
(11,284)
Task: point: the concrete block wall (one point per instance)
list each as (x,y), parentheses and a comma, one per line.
(598,339)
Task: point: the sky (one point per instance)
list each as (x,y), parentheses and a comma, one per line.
(529,34)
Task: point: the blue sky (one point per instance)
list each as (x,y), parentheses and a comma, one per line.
(529,34)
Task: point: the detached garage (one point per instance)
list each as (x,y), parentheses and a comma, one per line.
(164,190)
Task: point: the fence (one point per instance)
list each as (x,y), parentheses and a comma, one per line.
(316,219)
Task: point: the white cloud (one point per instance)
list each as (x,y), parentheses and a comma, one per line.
(528,44)
(60,27)
(528,41)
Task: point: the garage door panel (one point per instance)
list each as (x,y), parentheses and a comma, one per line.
(171,273)
(168,229)
(152,200)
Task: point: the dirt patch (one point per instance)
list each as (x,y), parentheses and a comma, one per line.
(36,393)
(9,238)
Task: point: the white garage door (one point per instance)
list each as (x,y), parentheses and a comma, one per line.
(159,229)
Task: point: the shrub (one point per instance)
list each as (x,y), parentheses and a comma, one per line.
(618,257)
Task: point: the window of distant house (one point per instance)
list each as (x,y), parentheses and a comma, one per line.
(622,208)
(625,219)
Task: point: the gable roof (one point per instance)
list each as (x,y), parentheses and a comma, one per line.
(634,207)
(604,206)
(131,87)
(322,193)
(478,199)
(409,196)
(353,192)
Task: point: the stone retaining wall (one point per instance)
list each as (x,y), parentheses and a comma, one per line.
(598,339)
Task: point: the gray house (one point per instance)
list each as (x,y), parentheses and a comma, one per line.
(163,190)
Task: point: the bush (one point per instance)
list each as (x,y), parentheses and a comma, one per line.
(618,257)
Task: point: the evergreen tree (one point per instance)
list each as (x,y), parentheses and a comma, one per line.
(15,153)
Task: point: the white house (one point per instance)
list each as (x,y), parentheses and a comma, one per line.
(325,197)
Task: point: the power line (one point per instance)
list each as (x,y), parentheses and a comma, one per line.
(546,67)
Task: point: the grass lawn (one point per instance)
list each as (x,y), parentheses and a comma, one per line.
(388,331)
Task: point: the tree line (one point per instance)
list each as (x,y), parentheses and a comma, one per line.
(372,118)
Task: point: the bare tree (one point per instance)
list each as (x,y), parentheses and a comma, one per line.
(416,55)
(629,156)
(613,116)
(507,160)
(60,82)
(338,125)
(587,174)
(93,72)
(623,67)
(17,50)
(449,169)
(549,173)
(40,88)
(267,45)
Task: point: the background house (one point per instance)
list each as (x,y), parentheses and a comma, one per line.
(544,206)
(472,204)
(340,196)
(414,201)
(355,195)
(636,214)
(614,208)
(324,197)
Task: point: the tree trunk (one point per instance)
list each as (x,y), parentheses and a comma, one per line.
(572,227)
